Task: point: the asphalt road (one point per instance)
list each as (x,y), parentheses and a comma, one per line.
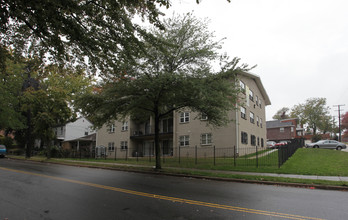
(31,190)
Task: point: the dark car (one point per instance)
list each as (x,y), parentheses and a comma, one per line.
(328,144)
(2,150)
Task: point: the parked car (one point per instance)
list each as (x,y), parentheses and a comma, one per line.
(2,150)
(328,144)
(271,144)
(281,144)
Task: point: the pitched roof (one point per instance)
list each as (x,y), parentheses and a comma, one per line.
(259,84)
(278,124)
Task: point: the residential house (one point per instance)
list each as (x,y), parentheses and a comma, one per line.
(286,129)
(71,132)
(189,129)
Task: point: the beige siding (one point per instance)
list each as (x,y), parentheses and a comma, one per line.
(223,137)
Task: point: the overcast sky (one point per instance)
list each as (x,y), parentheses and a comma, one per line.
(300,46)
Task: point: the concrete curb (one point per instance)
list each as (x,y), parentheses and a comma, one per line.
(126,168)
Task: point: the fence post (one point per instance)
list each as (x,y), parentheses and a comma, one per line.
(214,156)
(257,158)
(115,153)
(136,153)
(196,154)
(163,153)
(234,155)
(179,154)
(279,157)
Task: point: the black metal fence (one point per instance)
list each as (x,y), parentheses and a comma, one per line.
(195,156)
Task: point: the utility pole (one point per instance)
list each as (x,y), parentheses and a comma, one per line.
(339,121)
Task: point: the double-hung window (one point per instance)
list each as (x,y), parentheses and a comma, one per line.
(124,145)
(253,140)
(252,119)
(111,146)
(125,126)
(242,112)
(251,95)
(244,137)
(242,86)
(184,140)
(184,117)
(206,139)
(111,128)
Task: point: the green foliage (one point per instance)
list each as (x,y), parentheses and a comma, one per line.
(7,141)
(313,113)
(282,114)
(316,137)
(175,74)
(69,31)
(35,98)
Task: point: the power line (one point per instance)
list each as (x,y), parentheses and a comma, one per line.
(339,120)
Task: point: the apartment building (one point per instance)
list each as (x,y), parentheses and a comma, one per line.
(190,130)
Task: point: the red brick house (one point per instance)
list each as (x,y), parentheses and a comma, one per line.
(286,129)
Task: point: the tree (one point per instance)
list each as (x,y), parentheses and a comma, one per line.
(38,98)
(69,31)
(344,124)
(282,114)
(313,113)
(171,76)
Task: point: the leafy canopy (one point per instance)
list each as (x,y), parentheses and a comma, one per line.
(174,74)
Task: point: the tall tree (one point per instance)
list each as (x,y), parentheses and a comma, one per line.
(102,30)
(34,98)
(282,114)
(344,124)
(173,75)
(313,112)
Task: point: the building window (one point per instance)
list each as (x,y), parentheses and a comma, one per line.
(111,128)
(281,129)
(251,95)
(184,117)
(125,126)
(252,120)
(242,86)
(206,139)
(257,100)
(258,141)
(244,137)
(111,146)
(124,145)
(257,121)
(261,122)
(184,140)
(260,103)
(167,125)
(253,140)
(292,129)
(242,112)
(204,117)
(262,144)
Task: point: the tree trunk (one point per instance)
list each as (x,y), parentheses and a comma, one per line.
(28,136)
(157,144)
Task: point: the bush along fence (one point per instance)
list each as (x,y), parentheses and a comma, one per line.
(193,156)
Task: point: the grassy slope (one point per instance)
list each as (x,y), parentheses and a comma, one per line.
(320,162)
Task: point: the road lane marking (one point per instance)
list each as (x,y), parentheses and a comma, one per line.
(169,198)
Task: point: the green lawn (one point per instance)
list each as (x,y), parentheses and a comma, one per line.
(320,162)
(305,161)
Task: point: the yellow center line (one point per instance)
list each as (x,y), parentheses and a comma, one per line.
(168,198)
